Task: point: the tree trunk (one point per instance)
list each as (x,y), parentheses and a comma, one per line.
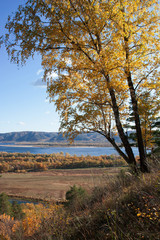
(131,159)
(143,162)
(121,153)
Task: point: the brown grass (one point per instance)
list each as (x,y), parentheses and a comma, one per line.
(53,184)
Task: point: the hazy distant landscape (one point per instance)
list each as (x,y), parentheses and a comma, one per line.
(52,138)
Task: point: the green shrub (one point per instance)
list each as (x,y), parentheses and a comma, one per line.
(5,205)
(13,209)
(17,212)
(76,197)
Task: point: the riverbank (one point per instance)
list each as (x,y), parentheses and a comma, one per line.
(49,145)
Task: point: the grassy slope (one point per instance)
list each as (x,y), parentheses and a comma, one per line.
(127,207)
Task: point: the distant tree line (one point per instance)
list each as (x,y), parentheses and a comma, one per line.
(24,162)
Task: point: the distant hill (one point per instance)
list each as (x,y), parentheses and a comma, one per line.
(49,137)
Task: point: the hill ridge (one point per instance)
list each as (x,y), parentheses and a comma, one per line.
(50,137)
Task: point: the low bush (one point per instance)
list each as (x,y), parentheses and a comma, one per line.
(76,198)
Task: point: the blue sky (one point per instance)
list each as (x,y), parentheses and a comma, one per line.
(24,104)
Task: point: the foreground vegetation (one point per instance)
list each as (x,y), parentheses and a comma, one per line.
(128,207)
(24,162)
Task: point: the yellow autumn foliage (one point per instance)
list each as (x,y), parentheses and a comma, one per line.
(104,54)
(35,214)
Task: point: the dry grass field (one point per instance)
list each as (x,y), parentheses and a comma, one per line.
(53,184)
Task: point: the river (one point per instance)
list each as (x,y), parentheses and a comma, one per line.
(92,151)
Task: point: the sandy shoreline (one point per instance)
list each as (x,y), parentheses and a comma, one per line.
(47,146)
(12,145)
(41,145)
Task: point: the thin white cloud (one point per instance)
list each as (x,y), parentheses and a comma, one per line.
(40,83)
(39,71)
(21,123)
(47,112)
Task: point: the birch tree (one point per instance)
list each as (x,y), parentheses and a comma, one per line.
(104,52)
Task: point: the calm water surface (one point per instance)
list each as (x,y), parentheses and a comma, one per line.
(92,151)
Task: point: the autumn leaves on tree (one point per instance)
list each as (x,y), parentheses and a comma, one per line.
(105,53)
